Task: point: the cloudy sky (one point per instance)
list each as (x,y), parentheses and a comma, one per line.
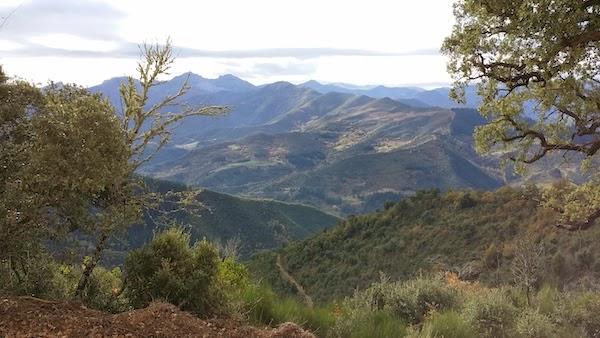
(362,42)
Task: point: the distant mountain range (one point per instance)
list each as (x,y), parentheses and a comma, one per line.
(336,147)
(413,96)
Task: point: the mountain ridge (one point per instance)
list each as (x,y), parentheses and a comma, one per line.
(340,152)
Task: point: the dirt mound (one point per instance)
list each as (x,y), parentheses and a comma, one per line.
(33,317)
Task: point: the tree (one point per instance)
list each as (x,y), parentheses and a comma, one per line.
(20,224)
(542,54)
(63,157)
(146,125)
(527,264)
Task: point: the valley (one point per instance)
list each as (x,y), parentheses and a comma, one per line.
(340,152)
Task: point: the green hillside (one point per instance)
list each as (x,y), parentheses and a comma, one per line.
(258,224)
(462,231)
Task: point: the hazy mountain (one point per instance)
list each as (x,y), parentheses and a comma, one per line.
(337,151)
(198,84)
(375,91)
(414,96)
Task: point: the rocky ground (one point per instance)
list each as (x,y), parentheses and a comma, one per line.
(33,317)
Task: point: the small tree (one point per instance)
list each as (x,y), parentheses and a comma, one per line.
(146,128)
(527,264)
(230,248)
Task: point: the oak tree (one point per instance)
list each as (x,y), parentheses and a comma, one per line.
(543,55)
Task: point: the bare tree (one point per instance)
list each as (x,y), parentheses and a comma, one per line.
(527,264)
(230,248)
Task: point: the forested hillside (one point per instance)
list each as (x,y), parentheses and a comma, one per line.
(474,234)
(254,224)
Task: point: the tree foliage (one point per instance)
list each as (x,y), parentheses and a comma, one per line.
(541,54)
(63,160)
(169,268)
(146,127)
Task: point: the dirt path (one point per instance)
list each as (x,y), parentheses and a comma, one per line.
(286,275)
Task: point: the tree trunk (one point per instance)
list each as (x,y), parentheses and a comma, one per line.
(89,267)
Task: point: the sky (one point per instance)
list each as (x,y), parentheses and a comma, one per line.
(375,42)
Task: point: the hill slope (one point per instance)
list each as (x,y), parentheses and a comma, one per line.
(258,224)
(342,153)
(472,233)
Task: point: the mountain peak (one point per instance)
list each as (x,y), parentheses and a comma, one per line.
(232,83)
(189,75)
(311,83)
(279,85)
(229,77)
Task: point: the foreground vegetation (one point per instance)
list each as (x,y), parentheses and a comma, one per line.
(199,279)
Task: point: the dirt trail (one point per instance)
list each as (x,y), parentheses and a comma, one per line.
(290,279)
(33,317)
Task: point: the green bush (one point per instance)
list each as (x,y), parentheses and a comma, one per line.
(258,303)
(533,324)
(168,268)
(41,277)
(407,302)
(447,324)
(375,324)
(317,319)
(413,299)
(104,291)
(583,311)
(547,300)
(491,313)
(263,307)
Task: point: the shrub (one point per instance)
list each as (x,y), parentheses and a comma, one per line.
(104,291)
(261,306)
(533,324)
(491,313)
(168,268)
(317,319)
(258,303)
(547,299)
(465,201)
(583,311)
(447,324)
(375,324)
(408,301)
(413,299)
(43,278)
(233,276)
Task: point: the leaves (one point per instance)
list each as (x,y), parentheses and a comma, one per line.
(541,55)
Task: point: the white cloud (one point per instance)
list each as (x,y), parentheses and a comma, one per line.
(73,42)
(8,45)
(374,42)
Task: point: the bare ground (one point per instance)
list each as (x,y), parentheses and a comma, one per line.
(33,317)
